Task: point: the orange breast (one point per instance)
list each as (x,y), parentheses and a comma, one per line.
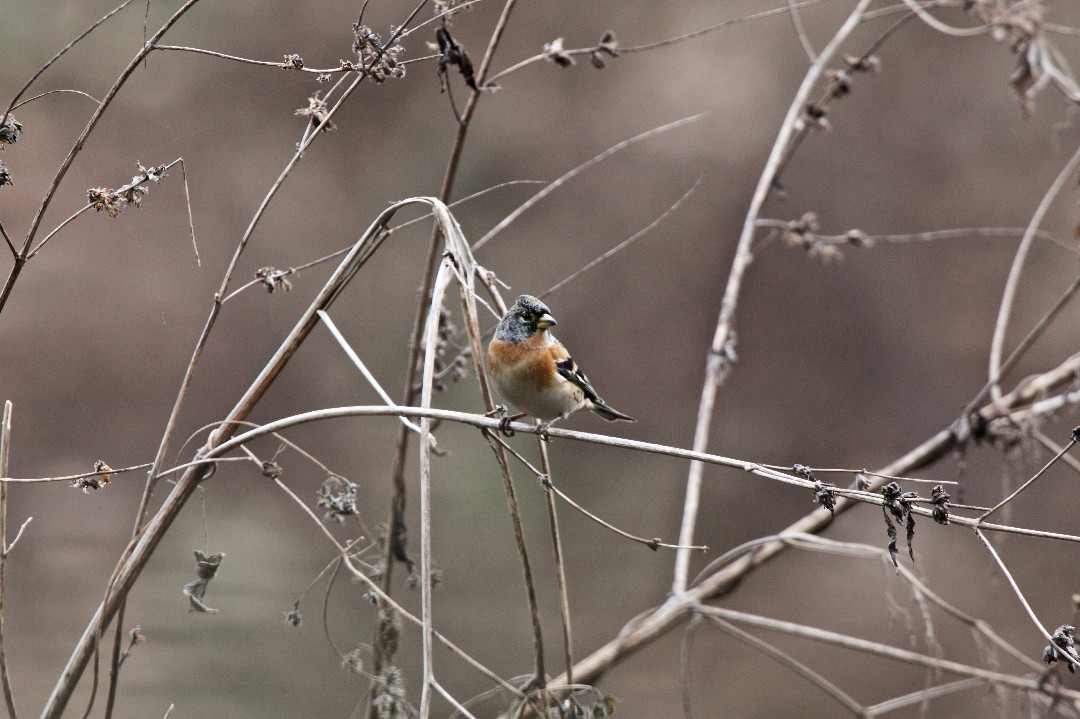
(523,363)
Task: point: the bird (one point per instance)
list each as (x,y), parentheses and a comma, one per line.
(535,373)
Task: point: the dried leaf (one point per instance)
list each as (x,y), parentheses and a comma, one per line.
(940,500)
(206,567)
(451,52)
(897,504)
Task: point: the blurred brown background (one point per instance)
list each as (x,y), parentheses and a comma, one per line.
(843,364)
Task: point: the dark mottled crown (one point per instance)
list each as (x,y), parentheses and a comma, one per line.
(520,320)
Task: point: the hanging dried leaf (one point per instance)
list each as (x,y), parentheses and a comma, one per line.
(206,567)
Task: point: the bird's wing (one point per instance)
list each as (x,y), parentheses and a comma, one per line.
(568,369)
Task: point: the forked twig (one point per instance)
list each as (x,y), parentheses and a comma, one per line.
(1073,440)
(545,479)
(906,656)
(57,56)
(806,672)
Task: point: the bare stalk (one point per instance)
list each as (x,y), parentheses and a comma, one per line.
(1034,477)
(883,650)
(1008,297)
(816,678)
(560,564)
(1071,656)
(442,279)
(718,359)
(5,457)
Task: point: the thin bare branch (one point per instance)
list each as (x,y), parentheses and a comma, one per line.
(1023,600)
(653,543)
(190,214)
(5,458)
(453,702)
(8,242)
(861,238)
(663,43)
(800,32)
(560,563)
(868,473)
(559,182)
(54,92)
(842,698)
(10,546)
(625,243)
(720,354)
(359,364)
(70,477)
(906,656)
(281,64)
(58,55)
(923,695)
(1034,477)
(1012,283)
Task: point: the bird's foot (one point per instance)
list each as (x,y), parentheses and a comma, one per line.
(504,419)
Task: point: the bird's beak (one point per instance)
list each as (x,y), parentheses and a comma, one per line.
(546,321)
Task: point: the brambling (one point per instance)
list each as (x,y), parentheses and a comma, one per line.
(535,373)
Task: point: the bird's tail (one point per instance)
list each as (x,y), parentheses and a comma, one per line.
(609,413)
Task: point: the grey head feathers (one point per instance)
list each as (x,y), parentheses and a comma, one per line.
(523,319)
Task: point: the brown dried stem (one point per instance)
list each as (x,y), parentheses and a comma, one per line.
(5,457)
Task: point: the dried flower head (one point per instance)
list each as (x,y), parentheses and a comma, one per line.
(338,496)
(556,53)
(293,616)
(273,279)
(381,63)
(317,111)
(354,660)
(95,482)
(1062,648)
(9,131)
